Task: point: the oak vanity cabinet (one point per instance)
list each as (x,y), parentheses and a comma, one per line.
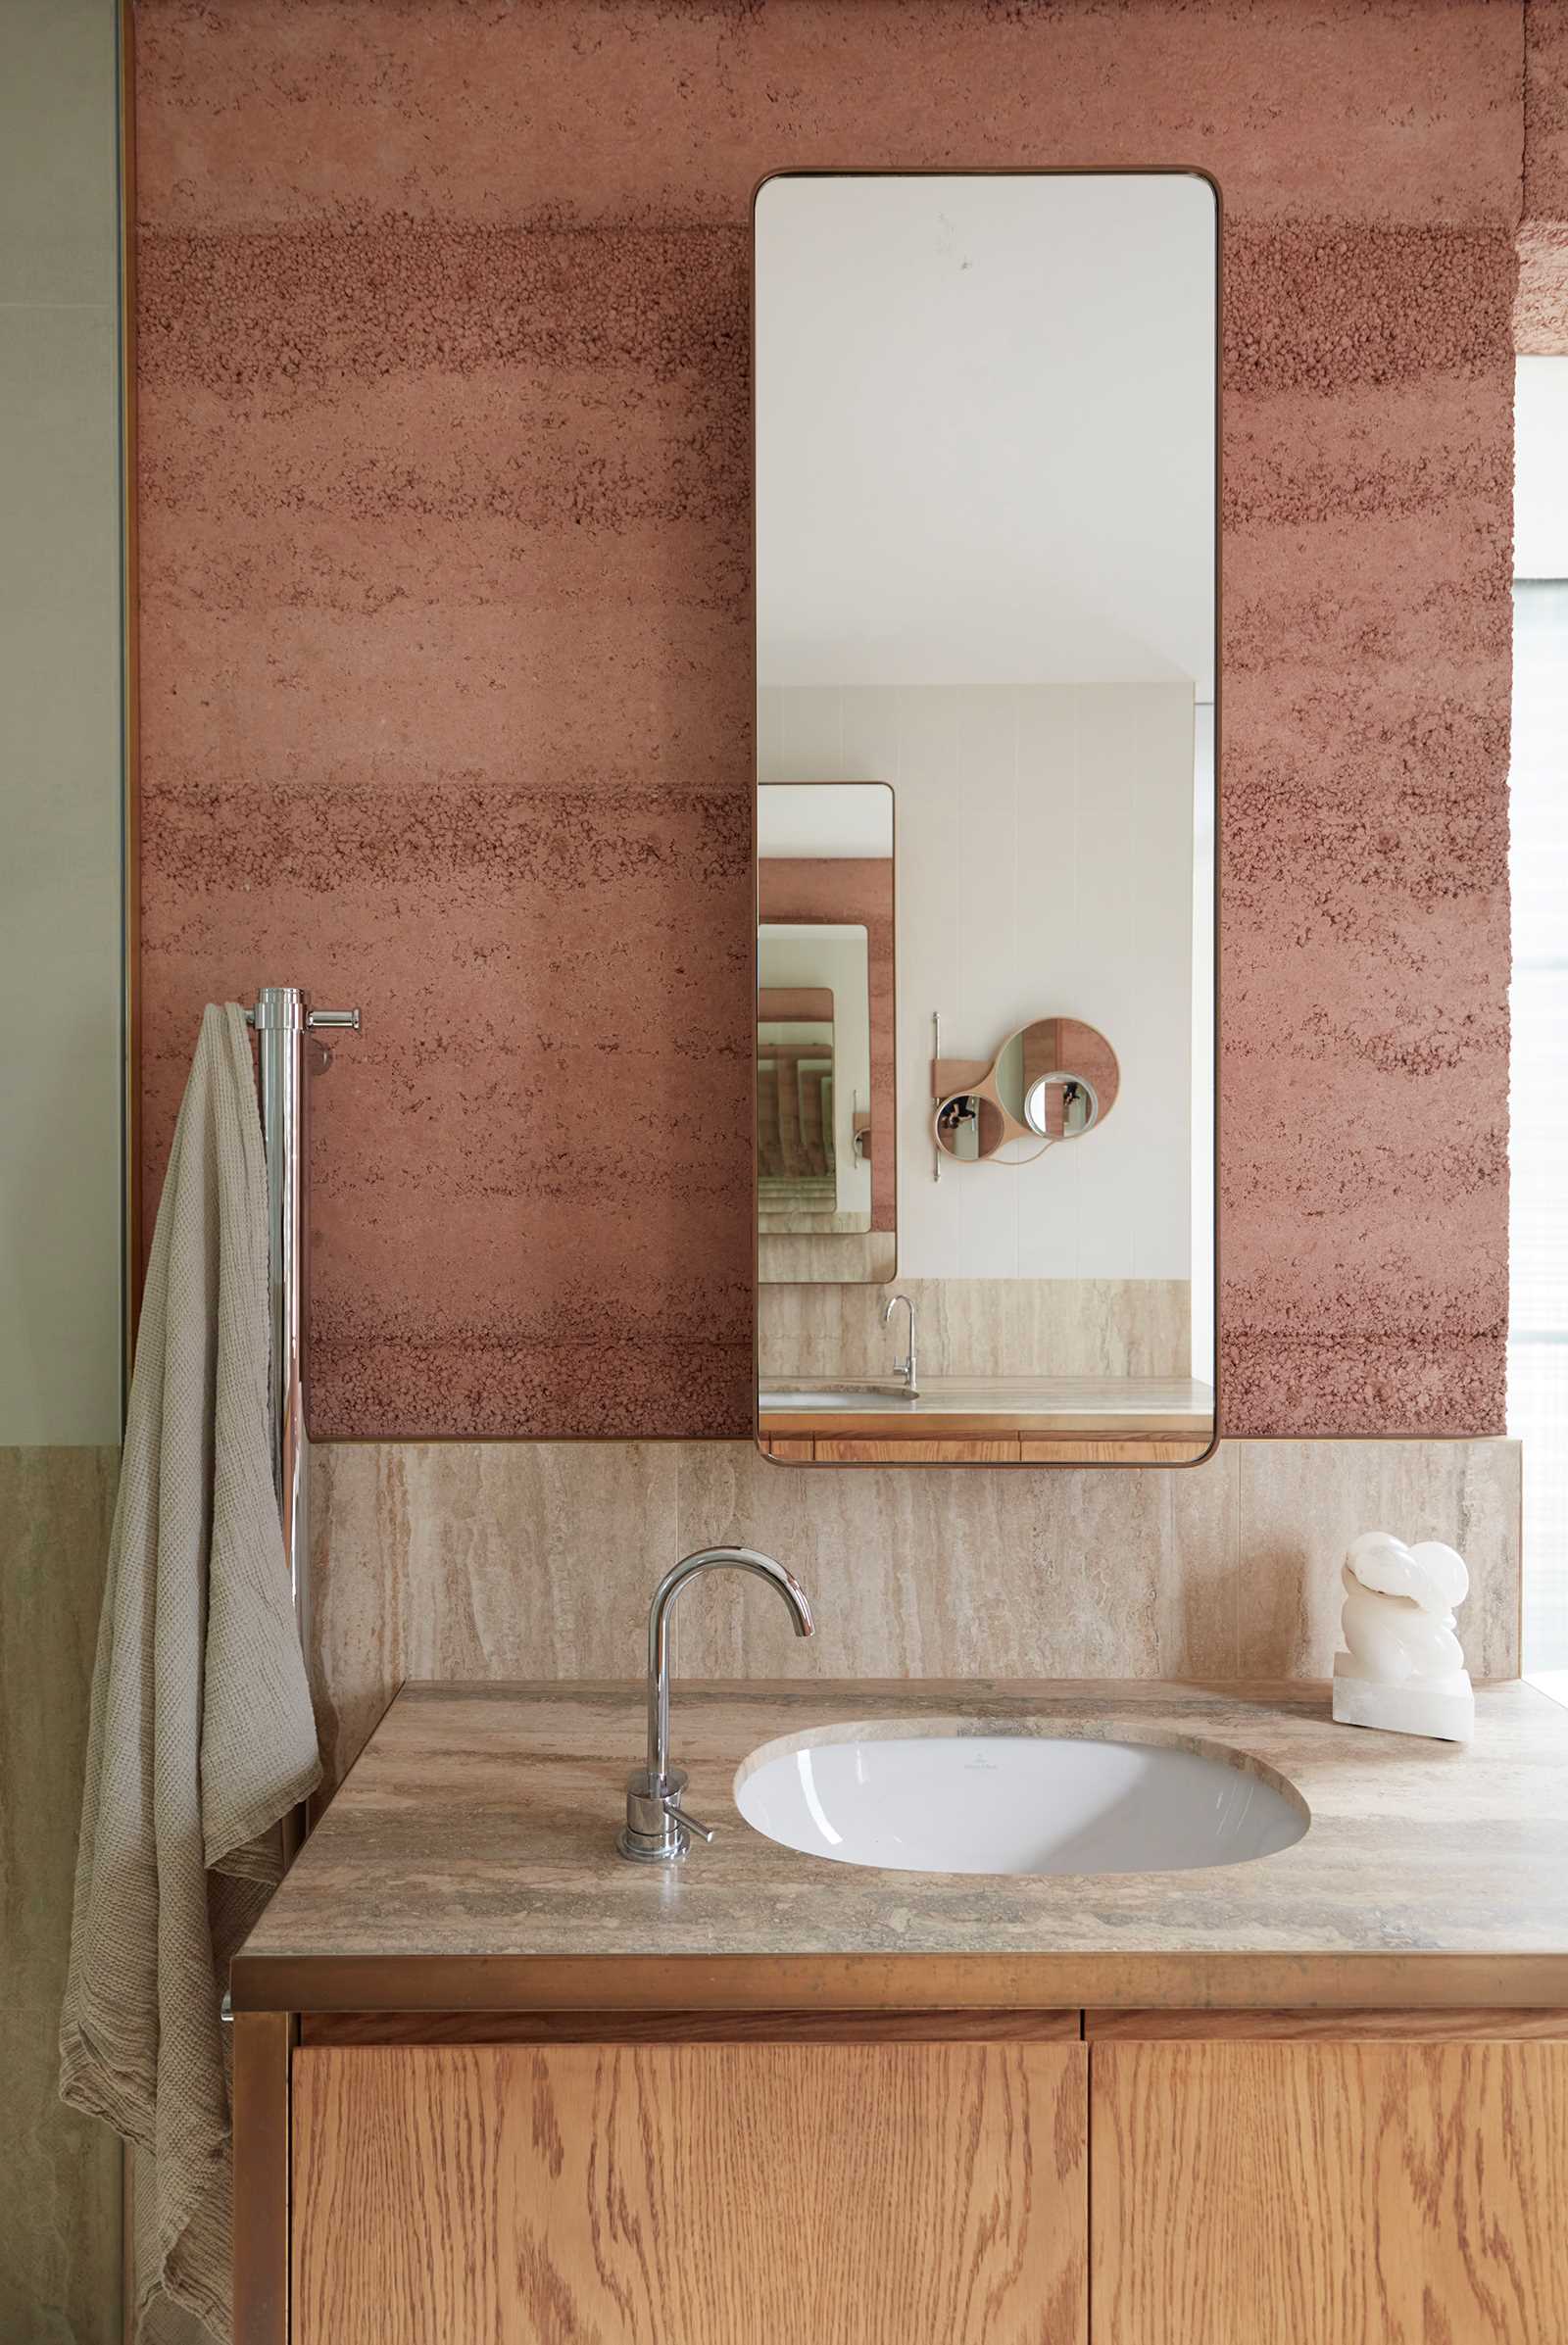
(1096,2178)
(1380,2178)
(699,2194)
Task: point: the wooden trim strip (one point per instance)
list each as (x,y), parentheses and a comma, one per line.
(841,1983)
(1469,2024)
(923,1451)
(1151,1451)
(691,2027)
(264,2044)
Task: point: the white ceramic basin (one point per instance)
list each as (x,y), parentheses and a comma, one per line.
(1015,1803)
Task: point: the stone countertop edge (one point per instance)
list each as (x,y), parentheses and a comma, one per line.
(467,1863)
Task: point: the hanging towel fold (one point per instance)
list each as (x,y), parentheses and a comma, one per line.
(201,1737)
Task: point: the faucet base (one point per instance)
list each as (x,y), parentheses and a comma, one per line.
(637,1849)
(653,1832)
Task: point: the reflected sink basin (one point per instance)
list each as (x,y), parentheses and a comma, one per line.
(1016,1803)
(812,1398)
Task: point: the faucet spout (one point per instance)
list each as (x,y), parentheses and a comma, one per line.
(906,1368)
(656,1832)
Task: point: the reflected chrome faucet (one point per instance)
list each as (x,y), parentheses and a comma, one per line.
(905,1368)
(658,1830)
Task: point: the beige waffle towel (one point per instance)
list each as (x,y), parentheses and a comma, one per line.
(201,1735)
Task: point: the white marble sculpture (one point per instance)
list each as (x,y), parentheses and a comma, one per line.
(1404,1668)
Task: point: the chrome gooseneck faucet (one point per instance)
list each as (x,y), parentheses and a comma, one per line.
(905,1368)
(657,1831)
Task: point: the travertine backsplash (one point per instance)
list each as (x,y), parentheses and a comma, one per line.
(981,1327)
(537,1559)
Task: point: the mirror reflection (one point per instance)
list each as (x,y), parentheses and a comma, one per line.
(1060,1106)
(1029,1093)
(986,528)
(807,1177)
(826,1134)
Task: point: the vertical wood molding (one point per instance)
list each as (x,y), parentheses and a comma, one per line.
(263,2048)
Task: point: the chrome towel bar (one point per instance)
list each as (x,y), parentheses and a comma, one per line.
(282,1017)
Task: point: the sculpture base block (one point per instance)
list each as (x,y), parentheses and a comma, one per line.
(1442,1714)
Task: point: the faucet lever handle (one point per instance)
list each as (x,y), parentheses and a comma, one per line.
(672,1808)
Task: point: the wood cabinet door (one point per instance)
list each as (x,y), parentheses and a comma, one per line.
(703,2195)
(1329,2194)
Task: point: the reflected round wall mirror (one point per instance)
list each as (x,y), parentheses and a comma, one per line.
(1053,1079)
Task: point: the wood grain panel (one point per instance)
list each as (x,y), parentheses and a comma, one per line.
(846,1438)
(1329,2194)
(1463,2025)
(1148,1450)
(1003,1450)
(262,2041)
(706,2195)
(689,2027)
(990,1979)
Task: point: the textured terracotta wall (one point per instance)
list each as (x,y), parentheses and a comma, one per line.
(446,680)
(1541,319)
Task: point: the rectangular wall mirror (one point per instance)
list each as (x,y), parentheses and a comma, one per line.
(987,527)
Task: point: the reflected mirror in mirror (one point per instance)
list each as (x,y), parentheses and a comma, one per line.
(1061,1106)
(986,528)
(826,1138)
(807,1176)
(969,1126)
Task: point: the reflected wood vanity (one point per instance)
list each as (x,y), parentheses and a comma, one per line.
(994,1449)
(992,1421)
(491,2083)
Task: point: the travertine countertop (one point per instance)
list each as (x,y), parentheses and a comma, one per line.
(468,1863)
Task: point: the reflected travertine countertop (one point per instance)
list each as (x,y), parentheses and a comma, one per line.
(468,1862)
(1144,1405)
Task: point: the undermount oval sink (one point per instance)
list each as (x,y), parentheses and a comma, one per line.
(1016,1803)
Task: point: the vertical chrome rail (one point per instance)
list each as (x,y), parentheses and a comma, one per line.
(283,1021)
(935,1053)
